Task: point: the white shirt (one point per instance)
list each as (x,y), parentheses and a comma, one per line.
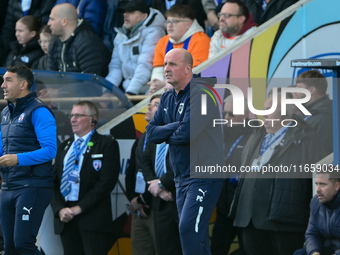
(74,194)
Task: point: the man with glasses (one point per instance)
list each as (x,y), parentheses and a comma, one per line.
(234,21)
(183,32)
(85,172)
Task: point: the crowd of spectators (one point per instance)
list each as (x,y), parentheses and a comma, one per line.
(85,31)
(127,47)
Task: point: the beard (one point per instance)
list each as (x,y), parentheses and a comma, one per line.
(232,30)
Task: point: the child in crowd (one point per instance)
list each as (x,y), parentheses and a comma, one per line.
(45,39)
(26,49)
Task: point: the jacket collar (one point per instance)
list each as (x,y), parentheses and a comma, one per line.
(21,102)
(335,203)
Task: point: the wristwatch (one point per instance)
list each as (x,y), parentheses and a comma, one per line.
(160,185)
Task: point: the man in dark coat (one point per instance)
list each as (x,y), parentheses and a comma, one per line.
(319,105)
(75,47)
(85,172)
(272,207)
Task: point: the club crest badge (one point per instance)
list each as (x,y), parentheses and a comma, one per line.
(97,164)
(180,108)
(21,117)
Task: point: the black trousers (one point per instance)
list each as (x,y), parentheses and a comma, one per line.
(82,242)
(224,234)
(166,229)
(266,242)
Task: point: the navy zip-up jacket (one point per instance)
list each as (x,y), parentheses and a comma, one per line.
(28,130)
(194,141)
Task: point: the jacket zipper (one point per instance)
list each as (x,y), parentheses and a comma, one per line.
(10,123)
(62,58)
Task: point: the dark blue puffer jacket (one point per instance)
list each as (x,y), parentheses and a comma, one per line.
(18,136)
(82,52)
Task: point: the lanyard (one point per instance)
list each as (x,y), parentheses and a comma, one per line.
(77,153)
(266,152)
(234,145)
(265,147)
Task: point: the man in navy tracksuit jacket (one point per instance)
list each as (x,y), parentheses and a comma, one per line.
(27,146)
(194,143)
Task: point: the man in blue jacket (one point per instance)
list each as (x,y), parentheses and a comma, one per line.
(27,146)
(193,142)
(323,232)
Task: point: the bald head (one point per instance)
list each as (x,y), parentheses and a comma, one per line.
(178,68)
(186,56)
(66,11)
(63,20)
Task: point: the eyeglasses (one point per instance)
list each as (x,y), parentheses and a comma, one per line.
(174,22)
(227,15)
(229,113)
(78,115)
